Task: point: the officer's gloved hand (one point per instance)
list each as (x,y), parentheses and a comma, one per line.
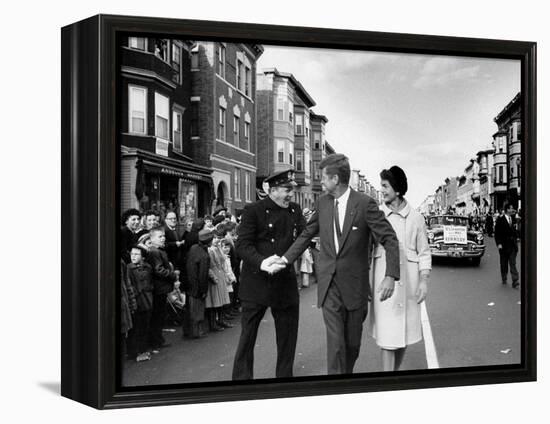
(272,264)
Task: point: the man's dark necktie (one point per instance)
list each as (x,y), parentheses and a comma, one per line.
(337,220)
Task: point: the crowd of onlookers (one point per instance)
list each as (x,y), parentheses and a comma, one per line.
(190,277)
(187,277)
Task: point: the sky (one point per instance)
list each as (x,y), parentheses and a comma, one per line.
(427,114)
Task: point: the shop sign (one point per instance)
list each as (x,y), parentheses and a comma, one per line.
(182,174)
(161,147)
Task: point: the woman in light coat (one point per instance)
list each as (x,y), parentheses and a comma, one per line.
(395,322)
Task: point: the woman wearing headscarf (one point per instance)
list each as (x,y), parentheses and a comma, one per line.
(395,322)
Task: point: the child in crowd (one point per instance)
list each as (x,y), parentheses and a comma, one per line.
(209,222)
(228,312)
(140,277)
(231,237)
(217,295)
(198,265)
(163,278)
(306,267)
(144,241)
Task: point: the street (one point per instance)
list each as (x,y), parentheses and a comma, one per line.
(473,318)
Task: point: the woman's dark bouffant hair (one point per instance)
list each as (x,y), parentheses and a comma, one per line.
(397,179)
(128,213)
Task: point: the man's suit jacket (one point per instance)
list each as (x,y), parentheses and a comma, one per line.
(171,248)
(363,225)
(505,234)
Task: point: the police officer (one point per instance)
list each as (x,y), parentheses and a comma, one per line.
(268,228)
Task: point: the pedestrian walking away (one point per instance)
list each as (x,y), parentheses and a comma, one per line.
(506,238)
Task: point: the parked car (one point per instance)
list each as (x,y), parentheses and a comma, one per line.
(452,236)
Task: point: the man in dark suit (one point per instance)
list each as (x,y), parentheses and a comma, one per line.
(173,240)
(268,228)
(506,237)
(347,222)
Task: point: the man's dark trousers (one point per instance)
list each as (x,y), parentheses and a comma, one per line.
(286,330)
(344,329)
(508,255)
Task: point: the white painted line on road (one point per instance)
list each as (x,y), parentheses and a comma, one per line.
(431,354)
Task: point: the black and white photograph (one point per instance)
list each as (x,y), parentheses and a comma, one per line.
(292,212)
(252,212)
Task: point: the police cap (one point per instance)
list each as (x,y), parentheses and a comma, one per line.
(284,178)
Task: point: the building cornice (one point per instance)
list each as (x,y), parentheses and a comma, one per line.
(297,85)
(130,71)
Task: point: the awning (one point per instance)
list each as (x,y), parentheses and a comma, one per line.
(156,168)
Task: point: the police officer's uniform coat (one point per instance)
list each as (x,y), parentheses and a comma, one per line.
(267,229)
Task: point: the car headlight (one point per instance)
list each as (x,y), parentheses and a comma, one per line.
(479,238)
(430,236)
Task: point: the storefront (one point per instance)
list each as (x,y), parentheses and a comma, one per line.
(164,185)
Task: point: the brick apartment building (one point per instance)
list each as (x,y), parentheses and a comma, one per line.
(157,166)
(223,101)
(485,162)
(285,131)
(318,151)
(507,156)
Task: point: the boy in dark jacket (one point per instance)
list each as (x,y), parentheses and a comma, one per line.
(140,275)
(163,279)
(198,263)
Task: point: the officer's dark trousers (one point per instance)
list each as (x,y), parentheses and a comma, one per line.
(344,330)
(286,330)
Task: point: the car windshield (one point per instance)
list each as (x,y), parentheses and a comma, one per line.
(447,220)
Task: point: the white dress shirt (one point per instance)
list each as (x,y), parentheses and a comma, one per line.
(342,206)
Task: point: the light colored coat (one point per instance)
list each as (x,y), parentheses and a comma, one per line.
(395,323)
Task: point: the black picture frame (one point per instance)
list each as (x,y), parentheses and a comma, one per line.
(90,210)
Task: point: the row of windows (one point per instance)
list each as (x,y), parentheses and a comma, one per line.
(243,78)
(499,174)
(514,134)
(222,129)
(301,122)
(137,116)
(169,52)
(137,111)
(285,150)
(237,184)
